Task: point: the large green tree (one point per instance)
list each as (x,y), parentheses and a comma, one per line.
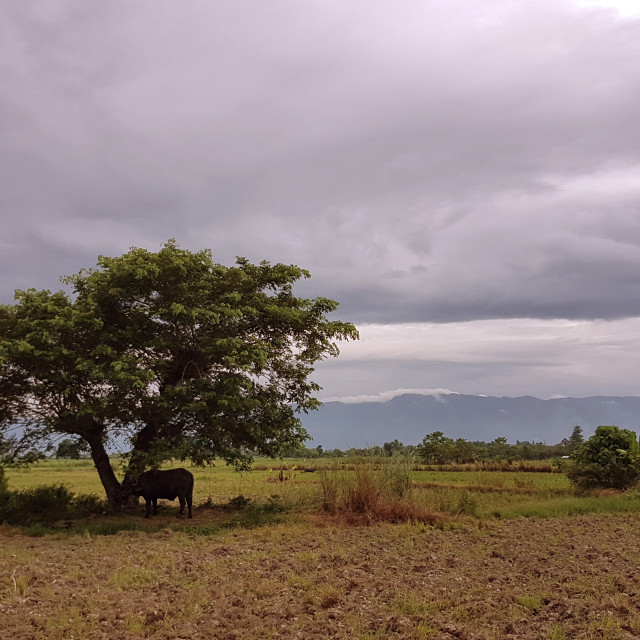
(610,458)
(181,356)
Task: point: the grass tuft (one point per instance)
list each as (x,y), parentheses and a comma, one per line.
(377,490)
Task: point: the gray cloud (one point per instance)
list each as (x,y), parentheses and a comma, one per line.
(427,161)
(491,357)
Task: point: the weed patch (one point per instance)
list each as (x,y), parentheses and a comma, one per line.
(46,505)
(376,491)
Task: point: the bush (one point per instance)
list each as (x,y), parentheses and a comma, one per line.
(72,448)
(609,459)
(46,505)
(4,485)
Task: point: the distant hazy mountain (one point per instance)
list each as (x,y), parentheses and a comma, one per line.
(410,417)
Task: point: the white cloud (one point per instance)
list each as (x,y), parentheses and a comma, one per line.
(385,396)
(625,8)
(543,358)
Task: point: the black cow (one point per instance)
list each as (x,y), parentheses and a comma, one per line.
(167,485)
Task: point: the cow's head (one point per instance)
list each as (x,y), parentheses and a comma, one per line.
(129,486)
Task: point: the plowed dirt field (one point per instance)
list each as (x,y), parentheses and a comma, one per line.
(526,579)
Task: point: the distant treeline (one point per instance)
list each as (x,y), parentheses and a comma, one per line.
(436,448)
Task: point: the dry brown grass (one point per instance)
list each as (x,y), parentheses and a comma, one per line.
(487,488)
(374,493)
(516,466)
(395,512)
(525,579)
(350,464)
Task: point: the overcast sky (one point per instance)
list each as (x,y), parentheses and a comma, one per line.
(462,176)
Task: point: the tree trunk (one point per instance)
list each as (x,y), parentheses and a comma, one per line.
(146,437)
(107,475)
(137,462)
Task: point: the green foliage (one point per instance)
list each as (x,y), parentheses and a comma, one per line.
(436,448)
(186,357)
(395,448)
(45,505)
(574,441)
(468,504)
(609,459)
(71,449)
(398,476)
(4,486)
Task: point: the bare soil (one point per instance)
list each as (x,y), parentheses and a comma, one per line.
(524,579)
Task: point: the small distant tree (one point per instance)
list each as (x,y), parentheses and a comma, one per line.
(464,451)
(499,449)
(575,439)
(71,449)
(609,459)
(393,448)
(436,448)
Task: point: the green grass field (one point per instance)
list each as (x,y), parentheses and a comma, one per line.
(480,494)
(220,482)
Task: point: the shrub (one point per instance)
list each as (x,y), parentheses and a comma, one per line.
(237,503)
(72,448)
(609,459)
(4,485)
(46,505)
(468,504)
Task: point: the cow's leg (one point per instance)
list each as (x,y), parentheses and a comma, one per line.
(155,506)
(189,501)
(148,503)
(182,505)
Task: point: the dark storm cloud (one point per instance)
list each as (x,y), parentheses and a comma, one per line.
(426,161)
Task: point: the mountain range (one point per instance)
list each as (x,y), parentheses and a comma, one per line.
(410,417)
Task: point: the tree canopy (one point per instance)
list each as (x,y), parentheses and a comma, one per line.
(179,355)
(71,448)
(610,458)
